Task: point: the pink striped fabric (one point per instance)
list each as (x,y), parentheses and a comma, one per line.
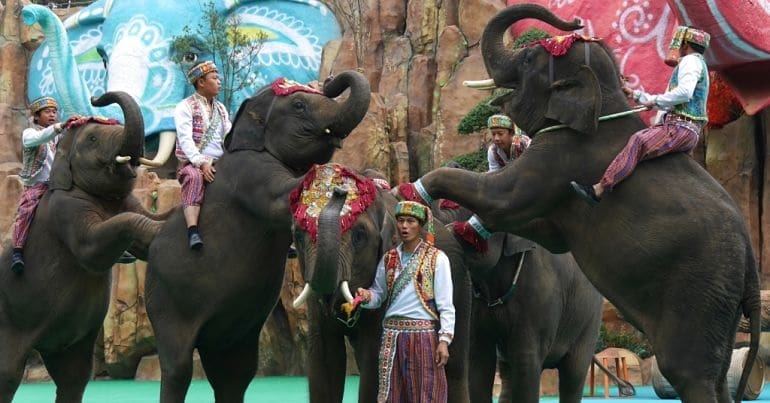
(649,143)
(408,372)
(26,212)
(193,185)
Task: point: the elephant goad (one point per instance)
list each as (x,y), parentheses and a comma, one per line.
(668,247)
(340,237)
(81,226)
(128,46)
(216,299)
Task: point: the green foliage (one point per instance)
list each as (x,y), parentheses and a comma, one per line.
(629,341)
(475,161)
(476,119)
(226,43)
(528,36)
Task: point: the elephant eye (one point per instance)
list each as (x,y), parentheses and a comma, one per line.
(190,57)
(92,138)
(298,105)
(358,237)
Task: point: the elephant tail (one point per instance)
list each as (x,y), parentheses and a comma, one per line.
(752,309)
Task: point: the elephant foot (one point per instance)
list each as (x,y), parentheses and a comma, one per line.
(196,242)
(17,263)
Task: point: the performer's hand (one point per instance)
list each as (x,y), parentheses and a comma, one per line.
(366,295)
(628,91)
(208,171)
(442,354)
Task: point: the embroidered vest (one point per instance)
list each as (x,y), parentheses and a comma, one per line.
(695,109)
(34,158)
(422,276)
(202,136)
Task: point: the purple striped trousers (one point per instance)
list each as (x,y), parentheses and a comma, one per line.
(193,185)
(28,202)
(649,143)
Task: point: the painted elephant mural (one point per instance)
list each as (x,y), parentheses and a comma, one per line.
(126,46)
(82,225)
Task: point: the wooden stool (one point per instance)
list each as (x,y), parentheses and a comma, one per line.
(621,370)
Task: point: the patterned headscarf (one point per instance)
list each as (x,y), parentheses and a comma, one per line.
(689,34)
(499,121)
(42,103)
(200,70)
(420,212)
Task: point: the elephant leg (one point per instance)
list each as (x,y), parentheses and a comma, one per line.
(523,375)
(484,352)
(326,366)
(71,368)
(572,371)
(13,355)
(367,351)
(175,349)
(230,371)
(457,367)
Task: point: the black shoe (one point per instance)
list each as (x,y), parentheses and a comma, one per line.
(586,192)
(17,263)
(292,253)
(196,242)
(126,258)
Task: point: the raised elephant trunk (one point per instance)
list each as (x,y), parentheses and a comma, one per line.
(354,107)
(323,279)
(133,134)
(498,57)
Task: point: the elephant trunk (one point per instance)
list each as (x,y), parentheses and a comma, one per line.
(353,110)
(73,94)
(133,133)
(497,57)
(324,275)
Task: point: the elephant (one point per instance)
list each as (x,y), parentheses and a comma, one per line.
(128,46)
(217,299)
(668,246)
(539,311)
(335,260)
(81,227)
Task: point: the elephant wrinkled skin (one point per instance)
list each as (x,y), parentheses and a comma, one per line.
(217,299)
(81,226)
(668,246)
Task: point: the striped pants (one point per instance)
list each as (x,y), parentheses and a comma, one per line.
(193,185)
(650,143)
(26,212)
(408,372)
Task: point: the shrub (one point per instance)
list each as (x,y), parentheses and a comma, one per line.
(475,161)
(629,341)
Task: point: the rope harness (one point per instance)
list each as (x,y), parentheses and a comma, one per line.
(508,294)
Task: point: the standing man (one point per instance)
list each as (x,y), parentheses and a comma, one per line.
(202,123)
(39,148)
(684,104)
(508,143)
(415,282)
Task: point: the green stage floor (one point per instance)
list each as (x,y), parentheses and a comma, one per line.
(274,389)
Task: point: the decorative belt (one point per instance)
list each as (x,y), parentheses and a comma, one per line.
(399,323)
(675,118)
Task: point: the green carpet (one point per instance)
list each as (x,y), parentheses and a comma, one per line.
(273,389)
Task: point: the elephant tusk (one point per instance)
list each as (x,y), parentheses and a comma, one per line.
(301,297)
(345,289)
(487,84)
(165,147)
(327,131)
(122,159)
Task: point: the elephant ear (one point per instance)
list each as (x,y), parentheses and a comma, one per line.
(248,130)
(61,169)
(576,101)
(513,244)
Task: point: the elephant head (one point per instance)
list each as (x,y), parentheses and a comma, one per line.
(99,156)
(299,125)
(128,46)
(549,87)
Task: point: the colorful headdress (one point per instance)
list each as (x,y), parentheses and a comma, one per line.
(499,121)
(42,103)
(418,211)
(283,86)
(200,70)
(685,34)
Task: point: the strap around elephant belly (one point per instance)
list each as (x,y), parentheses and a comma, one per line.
(508,294)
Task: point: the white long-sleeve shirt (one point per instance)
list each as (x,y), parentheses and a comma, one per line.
(183,118)
(690,70)
(407,303)
(33,137)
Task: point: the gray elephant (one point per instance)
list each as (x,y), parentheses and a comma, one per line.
(539,311)
(354,229)
(217,299)
(81,227)
(668,247)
